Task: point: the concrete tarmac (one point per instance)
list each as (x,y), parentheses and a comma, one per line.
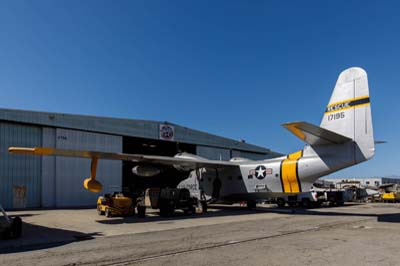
(356,234)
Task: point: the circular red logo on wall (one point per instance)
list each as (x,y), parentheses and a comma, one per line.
(166,132)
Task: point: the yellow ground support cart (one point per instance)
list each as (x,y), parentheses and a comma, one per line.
(116,204)
(391,197)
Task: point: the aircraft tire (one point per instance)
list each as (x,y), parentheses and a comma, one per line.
(280,202)
(141,211)
(305,203)
(133,212)
(190,210)
(204,207)
(165,212)
(99,211)
(251,204)
(108,213)
(316,204)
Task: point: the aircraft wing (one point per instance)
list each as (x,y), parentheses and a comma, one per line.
(183,160)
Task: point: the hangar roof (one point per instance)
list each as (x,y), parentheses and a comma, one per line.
(125,127)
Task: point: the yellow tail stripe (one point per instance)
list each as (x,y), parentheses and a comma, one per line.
(296,155)
(289,175)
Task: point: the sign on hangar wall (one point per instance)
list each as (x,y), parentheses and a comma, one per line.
(167,132)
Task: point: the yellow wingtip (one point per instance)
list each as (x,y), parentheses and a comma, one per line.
(21,150)
(33,151)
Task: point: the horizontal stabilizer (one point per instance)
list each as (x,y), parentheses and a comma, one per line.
(315,135)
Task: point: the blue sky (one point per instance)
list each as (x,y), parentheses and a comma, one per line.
(234,68)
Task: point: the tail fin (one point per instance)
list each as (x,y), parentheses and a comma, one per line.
(349,113)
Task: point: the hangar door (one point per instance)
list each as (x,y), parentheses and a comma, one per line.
(70,172)
(20,175)
(169,177)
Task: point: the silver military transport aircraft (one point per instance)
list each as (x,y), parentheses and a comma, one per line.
(344,138)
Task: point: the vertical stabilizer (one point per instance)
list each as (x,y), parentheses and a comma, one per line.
(349,112)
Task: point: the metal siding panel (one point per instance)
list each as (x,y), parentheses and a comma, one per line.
(19,170)
(213,153)
(236,153)
(49,169)
(253,156)
(70,172)
(187,135)
(116,126)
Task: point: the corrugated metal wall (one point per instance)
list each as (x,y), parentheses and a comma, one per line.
(70,172)
(250,155)
(20,175)
(49,169)
(213,153)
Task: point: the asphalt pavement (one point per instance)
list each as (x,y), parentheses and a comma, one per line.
(356,234)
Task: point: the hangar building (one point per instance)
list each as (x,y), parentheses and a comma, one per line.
(28,181)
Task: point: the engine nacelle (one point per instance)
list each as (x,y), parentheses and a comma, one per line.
(145,170)
(188,156)
(240,159)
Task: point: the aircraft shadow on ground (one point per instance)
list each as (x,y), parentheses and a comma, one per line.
(326,211)
(221,211)
(390,217)
(35,237)
(24,215)
(155,217)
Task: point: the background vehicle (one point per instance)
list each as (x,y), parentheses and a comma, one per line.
(391,197)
